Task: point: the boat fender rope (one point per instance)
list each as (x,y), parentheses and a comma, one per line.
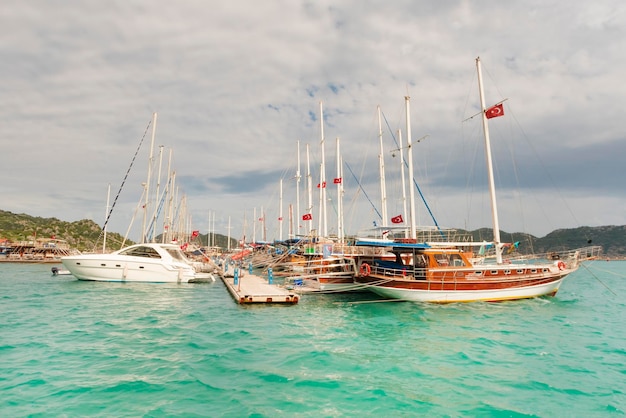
(365,270)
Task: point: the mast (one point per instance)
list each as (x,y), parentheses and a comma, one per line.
(147,186)
(323,217)
(157,194)
(172,207)
(339,182)
(492,189)
(280,212)
(297,195)
(263,227)
(291,234)
(168,209)
(381,167)
(254,226)
(407,100)
(402,174)
(309,189)
(106,213)
(228,244)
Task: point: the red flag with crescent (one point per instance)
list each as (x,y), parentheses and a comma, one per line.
(495,111)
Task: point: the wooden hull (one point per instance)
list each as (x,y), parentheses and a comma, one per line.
(463,290)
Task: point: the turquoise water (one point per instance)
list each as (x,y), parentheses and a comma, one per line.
(75,349)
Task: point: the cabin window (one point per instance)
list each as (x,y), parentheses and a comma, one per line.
(176,254)
(456,260)
(494,272)
(507,271)
(442,259)
(533,270)
(519,271)
(478,272)
(420,261)
(146,252)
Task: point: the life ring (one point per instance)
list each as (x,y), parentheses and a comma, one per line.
(561,265)
(365,270)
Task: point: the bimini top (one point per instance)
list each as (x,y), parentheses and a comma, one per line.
(402,243)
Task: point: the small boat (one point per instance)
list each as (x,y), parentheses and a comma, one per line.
(148,262)
(60,272)
(318,274)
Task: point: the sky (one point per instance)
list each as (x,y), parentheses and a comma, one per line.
(239,86)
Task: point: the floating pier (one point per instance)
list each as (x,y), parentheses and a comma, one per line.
(249,288)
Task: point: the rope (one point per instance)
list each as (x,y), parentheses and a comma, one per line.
(364,192)
(106,221)
(598,279)
(419,190)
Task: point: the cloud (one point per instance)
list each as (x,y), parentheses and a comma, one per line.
(237,85)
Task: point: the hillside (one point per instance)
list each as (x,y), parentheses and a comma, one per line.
(611,238)
(85,235)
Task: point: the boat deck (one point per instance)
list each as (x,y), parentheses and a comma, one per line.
(255,289)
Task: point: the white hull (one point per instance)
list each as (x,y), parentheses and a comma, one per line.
(443,296)
(121,267)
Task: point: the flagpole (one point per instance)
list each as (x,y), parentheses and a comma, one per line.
(280,212)
(381,168)
(402,175)
(339,198)
(407,100)
(298,220)
(492,188)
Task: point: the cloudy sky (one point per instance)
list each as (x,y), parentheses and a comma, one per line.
(236,85)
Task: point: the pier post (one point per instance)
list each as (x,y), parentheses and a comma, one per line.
(236,276)
(270,275)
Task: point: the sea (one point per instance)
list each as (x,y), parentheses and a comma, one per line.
(83,349)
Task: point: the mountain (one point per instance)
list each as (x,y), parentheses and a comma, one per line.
(611,238)
(85,235)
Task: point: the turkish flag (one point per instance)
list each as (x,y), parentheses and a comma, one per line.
(337,180)
(307,217)
(397,219)
(495,111)
(323,185)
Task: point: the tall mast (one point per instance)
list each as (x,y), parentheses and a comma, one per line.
(147,186)
(492,189)
(309,189)
(323,216)
(339,182)
(254,218)
(407,100)
(280,212)
(298,220)
(157,194)
(404,209)
(381,166)
(228,243)
(167,206)
(263,228)
(106,213)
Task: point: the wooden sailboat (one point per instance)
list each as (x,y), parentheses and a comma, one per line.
(444,272)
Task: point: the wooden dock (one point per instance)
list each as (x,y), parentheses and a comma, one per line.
(250,288)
